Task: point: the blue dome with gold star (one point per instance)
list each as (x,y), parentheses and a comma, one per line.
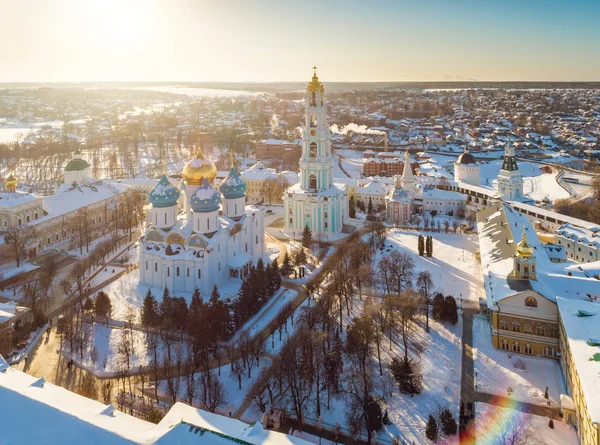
(205,199)
(164,194)
(233,186)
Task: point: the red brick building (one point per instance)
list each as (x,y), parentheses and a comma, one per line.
(285,151)
(382,167)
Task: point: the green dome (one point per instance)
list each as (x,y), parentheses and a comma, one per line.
(76,164)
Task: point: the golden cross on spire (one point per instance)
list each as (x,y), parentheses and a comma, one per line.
(232,158)
(314,70)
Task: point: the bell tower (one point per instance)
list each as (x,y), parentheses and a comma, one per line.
(316,162)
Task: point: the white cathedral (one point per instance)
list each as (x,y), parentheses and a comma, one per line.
(315,202)
(213,239)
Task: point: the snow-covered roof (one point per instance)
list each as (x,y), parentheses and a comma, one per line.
(224,427)
(34,411)
(45,413)
(258,172)
(5,316)
(589,236)
(17,198)
(72,199)
(500,229)
(372,188)
(435,193)
(581,321)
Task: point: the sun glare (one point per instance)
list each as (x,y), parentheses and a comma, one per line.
(115,25)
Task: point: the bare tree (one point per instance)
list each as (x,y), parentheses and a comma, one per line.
(19,238)
(216,395)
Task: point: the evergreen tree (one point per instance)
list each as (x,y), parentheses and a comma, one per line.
(374,415)
(429,246)
(300,257)
(450,310)
(260,282)
(437,308)
(409,381)
(421,243)
(220,317)
(352,207)
(196,314)
(431,431)
(447,422)
(286,267)
(370,207)
(102,305)
(306,237)
(149,311)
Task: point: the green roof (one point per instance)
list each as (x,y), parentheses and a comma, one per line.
(76,165)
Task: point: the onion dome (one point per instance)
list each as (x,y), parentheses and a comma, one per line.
(315,86)
(198,169)
(524,250)
(232,186)
(466,158)
(164,194)
(11,182)
(77,163)
(205,199)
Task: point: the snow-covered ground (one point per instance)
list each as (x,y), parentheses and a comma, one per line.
(496,373)
(105,274)
(453,266)
(234,395)
(495,425)
(105,342)
(439,356)
(268,312)
(127,292)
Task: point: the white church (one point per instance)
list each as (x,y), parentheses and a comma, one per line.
(315,202)
(200,236)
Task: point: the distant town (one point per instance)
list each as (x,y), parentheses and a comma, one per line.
(295,263)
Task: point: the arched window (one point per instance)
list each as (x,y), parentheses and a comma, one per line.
(504,345)
(530,302)
(516,326)
(313,99)
(528,349)
(312,182)
(516,347)
(177,270)
(313,149)
(313,120)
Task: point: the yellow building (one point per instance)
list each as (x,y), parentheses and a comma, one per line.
(580,363)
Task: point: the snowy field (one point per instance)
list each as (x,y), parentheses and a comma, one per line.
(127,293)
(453,266)
(105,341)
(496,372)
(494,425)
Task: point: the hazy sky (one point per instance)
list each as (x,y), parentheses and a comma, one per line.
(279,40)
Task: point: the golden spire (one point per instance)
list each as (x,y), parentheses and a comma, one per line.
(524,250)
(315,86)
(232,158)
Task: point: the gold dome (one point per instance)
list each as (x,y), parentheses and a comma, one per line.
(524,250)
(11,182)
(199,168)
(315,86)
